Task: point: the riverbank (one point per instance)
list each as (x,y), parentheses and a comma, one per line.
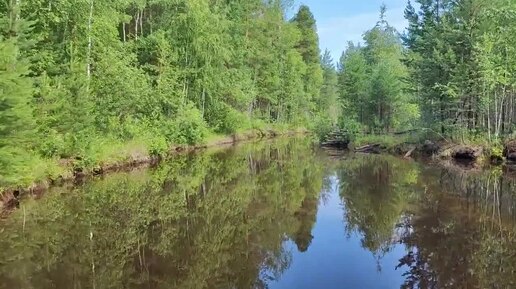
(129,157)
(466,153)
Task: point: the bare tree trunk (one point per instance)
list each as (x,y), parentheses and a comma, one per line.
(18,10)
(88,57)
(141,23)
(14,16)
(150,20)
(488,116)
(185,84)
(489,123)
(496,114)
(136,21)
(512,113)
(503,116)
(123,31)
(443,130)
(203,100)
(500,114)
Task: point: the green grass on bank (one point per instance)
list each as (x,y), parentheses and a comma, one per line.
(111,151)
(420,136)
(383,140)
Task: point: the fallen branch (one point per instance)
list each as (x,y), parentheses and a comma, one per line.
(409,153)
(370,149)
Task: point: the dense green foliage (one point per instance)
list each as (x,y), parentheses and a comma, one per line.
(461,54)
(97,80)
(452,71)
(372,87)
(98,74)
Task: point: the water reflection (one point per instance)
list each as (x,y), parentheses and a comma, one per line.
(377,191)
(462,234)
(268,215)
(215,220)
(458,227)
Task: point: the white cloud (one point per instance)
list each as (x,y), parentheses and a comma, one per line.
(334,33)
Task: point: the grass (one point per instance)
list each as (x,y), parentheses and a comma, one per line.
(110,151)
(388,141)
(115,151)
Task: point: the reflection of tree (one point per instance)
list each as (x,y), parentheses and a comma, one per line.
(460,231)
(459,237)
(214,220)
(306,216)
(376,191)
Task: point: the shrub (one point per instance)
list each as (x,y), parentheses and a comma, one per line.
(322,127)
(158,146)
(227,120)
(496,151)
(53,144)
(188,127)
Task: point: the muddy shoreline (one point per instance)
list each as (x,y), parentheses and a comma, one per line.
(458,157)
(464,155)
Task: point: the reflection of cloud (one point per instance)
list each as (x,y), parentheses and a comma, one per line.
(335,32)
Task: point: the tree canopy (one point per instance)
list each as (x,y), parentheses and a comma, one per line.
(79,77)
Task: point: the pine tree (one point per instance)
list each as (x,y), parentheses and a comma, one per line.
(308,47)
(328,103)
(353,84)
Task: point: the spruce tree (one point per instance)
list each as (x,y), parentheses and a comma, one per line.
(308,47)
(15,93)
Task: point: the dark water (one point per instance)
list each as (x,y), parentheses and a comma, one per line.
(279,215)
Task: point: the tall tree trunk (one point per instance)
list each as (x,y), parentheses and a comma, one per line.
(88,57)
(488,115)
(203,100)
(14,16)
(150,20)
(123,32)
(503,116)
(18,10)
(141,22)
(441,113)
(136,23)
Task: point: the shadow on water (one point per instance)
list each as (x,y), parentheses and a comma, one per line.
(225,219)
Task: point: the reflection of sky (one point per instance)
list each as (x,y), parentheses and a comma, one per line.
(334,261)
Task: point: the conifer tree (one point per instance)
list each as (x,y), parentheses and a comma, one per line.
(15,92)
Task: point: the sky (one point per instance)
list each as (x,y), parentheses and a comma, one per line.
(340,21)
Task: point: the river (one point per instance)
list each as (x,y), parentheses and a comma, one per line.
(277,214)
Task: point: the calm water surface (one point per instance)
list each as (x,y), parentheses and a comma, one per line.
(279,215)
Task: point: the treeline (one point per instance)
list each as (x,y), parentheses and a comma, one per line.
(453,71)
(373,93)
(77,77)
(463,64)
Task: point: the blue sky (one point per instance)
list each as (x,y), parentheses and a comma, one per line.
(340,21)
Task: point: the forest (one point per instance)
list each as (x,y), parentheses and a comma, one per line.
(96,80)
(452,71)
